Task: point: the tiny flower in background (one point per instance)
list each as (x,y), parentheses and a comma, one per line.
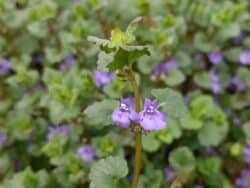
(237,121)
(169,174)
(4,66)
(3,138)
(61,129)
(215,82)
(242,181)
(161,69)
(237,83)
(67,62)
(150,117)
(123,115)
(102,78)
(247,154)
(198,186)
(215,57)
(238,39)
(228,111)
(198,58)
(87,152)
(245,57)
(210,151)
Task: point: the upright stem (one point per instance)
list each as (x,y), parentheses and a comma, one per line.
(138,150)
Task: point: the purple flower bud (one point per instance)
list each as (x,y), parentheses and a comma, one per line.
(150,117)
(215,82)
(162,68)
(25,90)
(199,60)
(215,57)
(238,39)
(102,78)
(4,66)
(169,174)
(61,129)
(245,57)
(123,115)
(3,138)
(247,153)
(67,62)
(87,153)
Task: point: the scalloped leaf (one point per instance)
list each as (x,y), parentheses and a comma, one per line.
(106,173)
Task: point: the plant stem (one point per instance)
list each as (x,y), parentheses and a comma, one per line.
(138,150)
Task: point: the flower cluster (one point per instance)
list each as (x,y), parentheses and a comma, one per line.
(149,118)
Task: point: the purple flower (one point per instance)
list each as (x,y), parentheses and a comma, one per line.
(67,62)
(215,57)
(25,90)
(4,66)
(245,57)
(150,117)
(242,181)
(61,129)
(159,69)
(171,63)
(247,153)
(237,121)
(228,111)
(238,39)
(102,78)
(169,174)
(215,82)
(198,58)
(236,82)
(210,151)
(3,138)
(123,115)
(87,152)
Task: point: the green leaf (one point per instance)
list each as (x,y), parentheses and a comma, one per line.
(182,159)
(171,132)
(174,77)
(211,134)
(202,79)
(209,165)
(106,172)
(150,142)
(189,123)
(104,59)
(118,37)
(246,129)
(171,101)
(99,113)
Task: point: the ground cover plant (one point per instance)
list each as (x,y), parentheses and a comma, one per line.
(119,94)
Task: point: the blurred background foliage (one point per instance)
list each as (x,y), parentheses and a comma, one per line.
(46,80)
